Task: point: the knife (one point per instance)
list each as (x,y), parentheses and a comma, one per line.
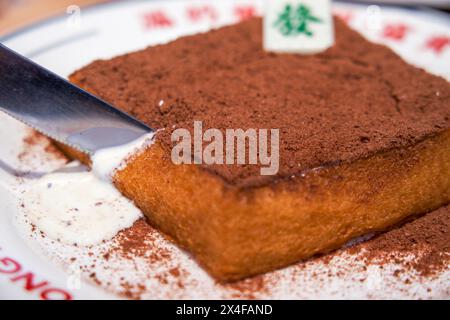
(61,110)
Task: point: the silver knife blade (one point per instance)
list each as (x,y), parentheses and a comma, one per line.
(61,110)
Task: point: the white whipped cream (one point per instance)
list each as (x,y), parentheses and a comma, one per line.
(106,161)
(76,206)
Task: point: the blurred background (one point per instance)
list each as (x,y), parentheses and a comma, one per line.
(19,13)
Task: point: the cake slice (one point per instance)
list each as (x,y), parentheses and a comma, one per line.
(364,144)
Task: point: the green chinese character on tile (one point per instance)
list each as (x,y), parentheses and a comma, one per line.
(296,21)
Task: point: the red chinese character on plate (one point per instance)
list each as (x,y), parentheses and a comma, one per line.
(438,43)
(396,31)
(196,14)
(157,19)
(244,12)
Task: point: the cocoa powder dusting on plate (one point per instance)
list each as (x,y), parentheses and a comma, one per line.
(422,245)
(136,241)
(35,139)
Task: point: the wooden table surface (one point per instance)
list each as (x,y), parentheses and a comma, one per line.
(18,13)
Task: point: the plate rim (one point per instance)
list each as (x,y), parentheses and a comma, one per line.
(430,12)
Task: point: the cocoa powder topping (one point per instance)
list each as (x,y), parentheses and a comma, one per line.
(353,100)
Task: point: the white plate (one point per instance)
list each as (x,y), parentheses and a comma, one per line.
(32,268)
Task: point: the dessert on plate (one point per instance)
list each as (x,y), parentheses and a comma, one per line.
(364,143)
